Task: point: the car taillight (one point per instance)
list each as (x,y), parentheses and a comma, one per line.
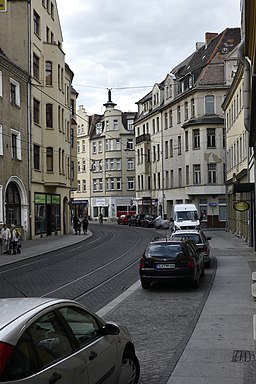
(5,353)
(142,263)
(190,263)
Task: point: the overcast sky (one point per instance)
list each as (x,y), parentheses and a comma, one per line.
(129,45)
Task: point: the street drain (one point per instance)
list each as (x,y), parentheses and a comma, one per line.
(243,356)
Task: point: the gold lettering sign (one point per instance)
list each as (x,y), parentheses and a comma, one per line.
(241,206)
(3,6)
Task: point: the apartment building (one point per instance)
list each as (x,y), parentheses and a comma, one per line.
(14,145)
(237,159)
(112,163)
(80,198)
(246,55)
(180,132)
(34,42)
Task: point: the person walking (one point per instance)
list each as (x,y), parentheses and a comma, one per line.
(101,218)
(5,237)
(15,240)
(85,225)
(76,225)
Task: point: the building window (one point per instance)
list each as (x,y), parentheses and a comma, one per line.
(115,125)
(187,174)
(49,108)
(158,152)
(171,147)
(197,174)
(94,147)
(222,210)
(186,110)
(212,173)
(170,119)
(118,183)
(130,125)
(186,141)
(14,92)
(180,177)
(84,185)
(130,144)
(192,107)
(78,186)
(166,146)
(36,111)
(83,145)
(165,120)
(209,104)
(211,138)
(178,114)
(49,159)
(100,146)
(36,23)
(48,73)
(179,145)
(130,183)
(196,138)
(36,157)
(154,125)
(157,124)
(130,164)
(16,144)
(36,66)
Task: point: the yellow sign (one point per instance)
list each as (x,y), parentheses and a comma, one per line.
(3,5)
(241,206)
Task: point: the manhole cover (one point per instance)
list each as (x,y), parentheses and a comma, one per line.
(242,356)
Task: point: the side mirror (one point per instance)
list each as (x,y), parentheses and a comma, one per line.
(111,329)
(208,238)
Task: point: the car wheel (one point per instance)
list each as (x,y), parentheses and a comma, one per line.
(145,284)
(130,369)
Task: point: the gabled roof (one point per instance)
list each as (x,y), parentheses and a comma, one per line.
(211,53)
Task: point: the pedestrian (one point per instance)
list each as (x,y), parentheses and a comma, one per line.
(85,225)
(76,225)
(15,240)
(101,218)
(5,237)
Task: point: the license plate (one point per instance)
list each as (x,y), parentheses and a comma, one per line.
(165,266)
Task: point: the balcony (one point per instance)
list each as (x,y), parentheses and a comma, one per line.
(143,138)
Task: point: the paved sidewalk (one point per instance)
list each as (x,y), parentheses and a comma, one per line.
(32,248)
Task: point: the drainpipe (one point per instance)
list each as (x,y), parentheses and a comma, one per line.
(29,125)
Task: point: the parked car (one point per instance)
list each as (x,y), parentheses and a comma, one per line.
(136,219)
(148,221)
(166,260)
(123,219)
(45,340)
(161,223)
(200,239)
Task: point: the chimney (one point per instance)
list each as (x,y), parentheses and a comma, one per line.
(209,36)
(199,45)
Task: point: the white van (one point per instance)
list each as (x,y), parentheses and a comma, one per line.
(185,216)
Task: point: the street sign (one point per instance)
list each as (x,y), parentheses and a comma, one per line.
(241,206)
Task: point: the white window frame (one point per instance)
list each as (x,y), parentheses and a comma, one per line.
(18,143)
(17,91)
(130,164)
(130,183)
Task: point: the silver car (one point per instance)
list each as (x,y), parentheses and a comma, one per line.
(45,340)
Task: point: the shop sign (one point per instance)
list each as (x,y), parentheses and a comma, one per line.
(241,206)
(3,6)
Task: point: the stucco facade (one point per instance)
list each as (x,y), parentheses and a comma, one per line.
(34,41)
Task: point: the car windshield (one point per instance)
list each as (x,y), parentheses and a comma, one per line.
(187,215)
(163,250)
(193,236)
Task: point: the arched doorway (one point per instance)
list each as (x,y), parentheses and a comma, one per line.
(12,205)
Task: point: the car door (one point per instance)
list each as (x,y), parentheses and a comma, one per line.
(45,354)
(99,350)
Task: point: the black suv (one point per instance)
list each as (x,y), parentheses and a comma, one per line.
(166,260)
